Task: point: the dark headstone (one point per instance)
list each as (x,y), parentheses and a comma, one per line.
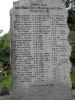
(4,91)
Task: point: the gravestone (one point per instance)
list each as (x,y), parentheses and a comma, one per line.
(40,50)
(4,90)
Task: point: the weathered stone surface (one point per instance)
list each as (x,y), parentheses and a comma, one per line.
(40,51)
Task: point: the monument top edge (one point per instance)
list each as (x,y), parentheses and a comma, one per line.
(29,0)
(22,1)
(51,3)
(39,1)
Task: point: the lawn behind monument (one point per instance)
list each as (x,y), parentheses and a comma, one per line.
(5,81)
(73,79)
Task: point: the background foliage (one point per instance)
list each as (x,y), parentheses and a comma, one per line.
(5,50)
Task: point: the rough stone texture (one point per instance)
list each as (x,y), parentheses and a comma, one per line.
(40,51)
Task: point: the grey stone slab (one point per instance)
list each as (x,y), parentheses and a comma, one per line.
(40,50)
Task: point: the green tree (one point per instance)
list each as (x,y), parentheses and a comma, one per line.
(67,3)
(5,50)
(71,19)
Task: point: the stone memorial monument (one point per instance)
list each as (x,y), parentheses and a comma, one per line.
(40,50)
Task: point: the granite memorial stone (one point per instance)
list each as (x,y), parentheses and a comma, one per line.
(40,50)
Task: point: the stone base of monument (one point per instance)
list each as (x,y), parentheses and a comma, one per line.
(54,92)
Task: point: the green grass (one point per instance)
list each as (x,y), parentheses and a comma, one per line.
(1,98)
(6,81)
(73,78)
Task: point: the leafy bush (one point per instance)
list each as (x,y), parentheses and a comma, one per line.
(5,50)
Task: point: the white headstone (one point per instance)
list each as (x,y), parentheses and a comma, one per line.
(40,51)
